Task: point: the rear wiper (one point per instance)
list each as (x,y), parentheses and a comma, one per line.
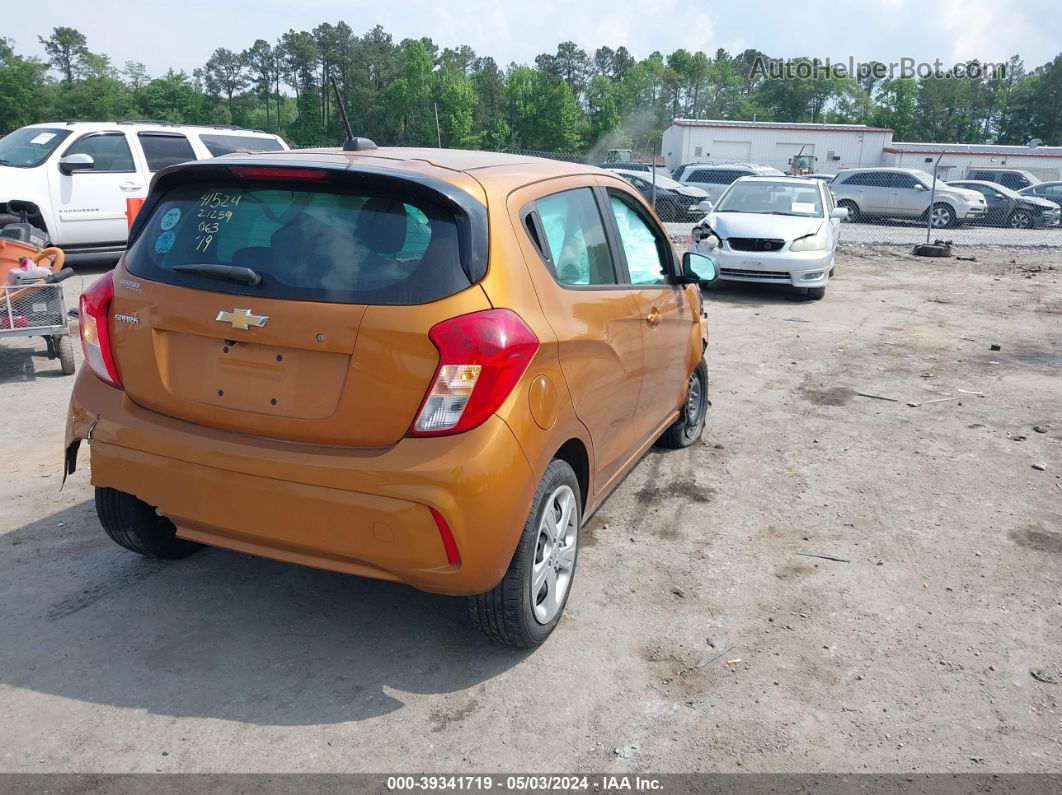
(233,273)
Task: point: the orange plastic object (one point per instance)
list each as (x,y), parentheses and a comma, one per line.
(132,207)
(11,252)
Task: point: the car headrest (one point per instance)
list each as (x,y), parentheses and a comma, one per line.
(382,226)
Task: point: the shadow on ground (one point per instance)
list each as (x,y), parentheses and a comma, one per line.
(222,634)
(753,294)
(26,359)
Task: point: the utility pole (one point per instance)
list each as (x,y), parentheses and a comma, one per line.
(438,129)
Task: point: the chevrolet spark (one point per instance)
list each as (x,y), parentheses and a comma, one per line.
(423,366)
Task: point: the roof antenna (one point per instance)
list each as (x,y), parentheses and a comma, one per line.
(352,144)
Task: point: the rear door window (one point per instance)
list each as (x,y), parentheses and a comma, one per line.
(575,238)
(162,150)
(219,145)
(305,243)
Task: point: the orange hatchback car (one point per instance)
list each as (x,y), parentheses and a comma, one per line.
(424,366)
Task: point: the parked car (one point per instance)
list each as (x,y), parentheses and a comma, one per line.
(674,201)
(903,193)
(1009,208)
(776,230)
(1013,178)
(75,177)
(646,168)
(1052,191)
(342,359)
(714,179)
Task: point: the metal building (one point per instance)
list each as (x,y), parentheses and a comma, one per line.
(835,146)
(1044,162)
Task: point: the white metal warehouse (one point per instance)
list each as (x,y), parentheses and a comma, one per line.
(1044,162)
(835,146)
(838,146)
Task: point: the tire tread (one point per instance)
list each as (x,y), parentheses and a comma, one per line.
(499,613)
(133,524)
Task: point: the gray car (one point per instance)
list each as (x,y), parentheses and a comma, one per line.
(713,179)
(1052,191)
(1010,208)
(904,193)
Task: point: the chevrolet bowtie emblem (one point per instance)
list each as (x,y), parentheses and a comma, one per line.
(242,319)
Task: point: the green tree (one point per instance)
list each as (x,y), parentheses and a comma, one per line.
(21,89)
(456,102)
(66,48)
(225,75)
(172,97)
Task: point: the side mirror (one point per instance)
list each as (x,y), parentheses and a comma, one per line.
(839,212)
(997,195)
(71,163)
(704,205)
(920,186)
(698,269)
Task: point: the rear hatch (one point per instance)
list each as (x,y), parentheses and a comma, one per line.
(294,303)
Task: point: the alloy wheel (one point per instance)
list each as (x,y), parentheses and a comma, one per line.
(940,217)
(555,552)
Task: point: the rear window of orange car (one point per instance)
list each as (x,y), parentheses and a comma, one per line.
(312,243)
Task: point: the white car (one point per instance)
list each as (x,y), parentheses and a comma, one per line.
(776,230)
(73,178)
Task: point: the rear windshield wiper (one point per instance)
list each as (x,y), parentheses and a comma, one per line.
(233,273)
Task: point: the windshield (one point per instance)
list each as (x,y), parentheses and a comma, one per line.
(302,243)
(771,198)
(30,146)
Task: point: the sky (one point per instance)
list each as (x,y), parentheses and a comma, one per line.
(182,35)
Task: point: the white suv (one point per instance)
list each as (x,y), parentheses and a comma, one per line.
(713,179)
(72,178)
(886,193)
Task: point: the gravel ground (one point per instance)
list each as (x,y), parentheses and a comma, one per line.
(699,636)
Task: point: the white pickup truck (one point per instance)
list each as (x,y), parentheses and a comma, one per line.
(72,179)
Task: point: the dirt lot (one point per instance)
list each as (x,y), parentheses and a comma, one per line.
(698,637)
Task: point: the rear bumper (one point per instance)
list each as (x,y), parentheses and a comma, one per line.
(360,511)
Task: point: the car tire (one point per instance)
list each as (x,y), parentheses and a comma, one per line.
(688,427)
(133,524)
(514,612)
(816,293)
(854,215)
(64,347)
(943,216)
(1019,219)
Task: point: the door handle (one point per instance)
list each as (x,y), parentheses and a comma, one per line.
(130,186)
(653,319)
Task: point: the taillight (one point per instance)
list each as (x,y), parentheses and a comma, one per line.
(481,357)
(94,310)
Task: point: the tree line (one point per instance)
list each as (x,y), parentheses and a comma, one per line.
(412,92)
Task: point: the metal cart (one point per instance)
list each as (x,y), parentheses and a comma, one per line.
(34,306)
